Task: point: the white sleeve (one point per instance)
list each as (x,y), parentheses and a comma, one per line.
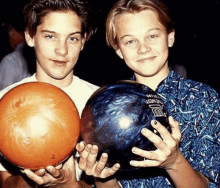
(2,168)
(78,170)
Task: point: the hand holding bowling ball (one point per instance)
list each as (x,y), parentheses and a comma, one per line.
(114,117)
(87,162)
(39,125)
(63,174)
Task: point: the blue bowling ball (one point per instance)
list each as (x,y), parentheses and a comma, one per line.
(114,116)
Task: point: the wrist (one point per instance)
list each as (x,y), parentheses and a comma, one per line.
(71,183)
(107,182)
(75,185)
(180,159)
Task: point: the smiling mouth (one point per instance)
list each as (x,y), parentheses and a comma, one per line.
(146,59)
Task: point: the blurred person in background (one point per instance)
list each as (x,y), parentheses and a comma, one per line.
(19,63)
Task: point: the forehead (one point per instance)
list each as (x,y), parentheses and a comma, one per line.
(145,20)
(61,21)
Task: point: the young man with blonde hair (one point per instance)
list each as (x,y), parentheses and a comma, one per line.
(141,32)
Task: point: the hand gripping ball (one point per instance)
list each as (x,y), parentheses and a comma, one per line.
(114,117)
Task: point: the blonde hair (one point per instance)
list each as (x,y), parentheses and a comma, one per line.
(133,6)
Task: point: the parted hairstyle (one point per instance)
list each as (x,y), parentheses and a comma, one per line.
(35,11)
(135,6)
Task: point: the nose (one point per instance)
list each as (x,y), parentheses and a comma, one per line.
(143,48)
(61,48)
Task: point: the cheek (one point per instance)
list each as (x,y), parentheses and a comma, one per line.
(73,53)
(130,61)
(161,48)
(129,54)
(41,52)
(165,50)
(42,47)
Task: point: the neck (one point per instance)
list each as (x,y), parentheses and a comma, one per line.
(61,83)
(152,81)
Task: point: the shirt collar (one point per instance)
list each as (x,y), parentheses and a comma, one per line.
(172,76)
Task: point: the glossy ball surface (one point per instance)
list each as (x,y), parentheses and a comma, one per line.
(39,125)
(114,117)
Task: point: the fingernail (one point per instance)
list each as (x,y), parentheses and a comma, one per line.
(94,148)
(132,163)
(154,122)
(104,155)
(134,150)
(144,130)
(49,168)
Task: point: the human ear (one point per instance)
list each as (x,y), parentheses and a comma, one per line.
(83,41)
(171,38)
(118,51)
(29,39)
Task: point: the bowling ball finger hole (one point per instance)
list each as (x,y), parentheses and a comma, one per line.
(18,104)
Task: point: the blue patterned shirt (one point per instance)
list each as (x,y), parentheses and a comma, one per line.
(196,107)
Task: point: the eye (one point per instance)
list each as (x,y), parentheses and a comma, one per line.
(74,39)
(130,42)
(153,36)
(49,36)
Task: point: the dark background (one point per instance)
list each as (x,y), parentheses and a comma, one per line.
(196,46)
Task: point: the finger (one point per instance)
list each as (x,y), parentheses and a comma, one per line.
(80,146)
(145,154)
(176,134)
(101,164)
(91,160)
(54,172)
(59,166)
(40,172)
(155,139)
(144,163)
(85,153)
(164,133)
(39,180)
(107,172)
(83,157)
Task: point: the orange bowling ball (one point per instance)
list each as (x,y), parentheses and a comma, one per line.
(39,125)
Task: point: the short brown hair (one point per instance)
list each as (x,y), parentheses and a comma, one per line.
(132,6)
(36,10)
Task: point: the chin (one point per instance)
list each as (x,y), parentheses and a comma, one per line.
(147,74)
(58,77)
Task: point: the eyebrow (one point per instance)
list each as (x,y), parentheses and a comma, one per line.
(53,32)
(157,28)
